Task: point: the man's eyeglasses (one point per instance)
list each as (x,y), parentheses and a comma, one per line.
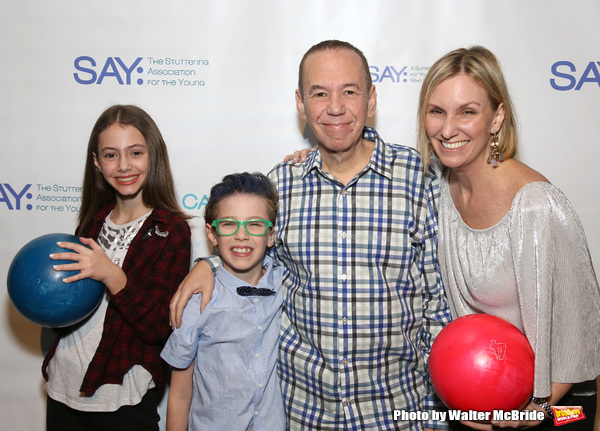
(254,227)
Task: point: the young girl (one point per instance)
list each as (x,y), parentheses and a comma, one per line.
(106,372)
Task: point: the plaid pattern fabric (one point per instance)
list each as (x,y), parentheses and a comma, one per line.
(363,297)
(137,319)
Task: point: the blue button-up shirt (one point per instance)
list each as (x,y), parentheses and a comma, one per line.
(363,296)
(233,345)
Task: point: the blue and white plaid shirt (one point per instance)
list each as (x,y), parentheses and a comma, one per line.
(363,296)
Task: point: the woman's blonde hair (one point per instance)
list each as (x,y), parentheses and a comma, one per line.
(481,65)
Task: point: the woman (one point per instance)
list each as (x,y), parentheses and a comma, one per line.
(510,243)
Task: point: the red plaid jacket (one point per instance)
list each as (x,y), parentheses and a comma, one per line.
(137,319)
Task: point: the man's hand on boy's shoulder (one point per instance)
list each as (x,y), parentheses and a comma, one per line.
(200,279)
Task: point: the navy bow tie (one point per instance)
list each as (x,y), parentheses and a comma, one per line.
(254,291)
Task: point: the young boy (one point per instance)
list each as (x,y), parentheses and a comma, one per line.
(231,349)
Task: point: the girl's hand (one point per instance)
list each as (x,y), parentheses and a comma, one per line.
(91,262)
(298,156)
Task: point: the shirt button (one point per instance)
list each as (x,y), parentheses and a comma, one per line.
(344,320)
(256,413)
(344,277)
(257,355)
(344,235)
(260,327)
(346,362)
(346,402)
(260,385)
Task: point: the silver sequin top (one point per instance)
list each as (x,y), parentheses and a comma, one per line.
(533,269)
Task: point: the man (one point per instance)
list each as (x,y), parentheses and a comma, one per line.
(363,298)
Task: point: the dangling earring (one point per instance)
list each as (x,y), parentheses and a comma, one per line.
(495,155)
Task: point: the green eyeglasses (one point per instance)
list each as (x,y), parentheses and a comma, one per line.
(254,227)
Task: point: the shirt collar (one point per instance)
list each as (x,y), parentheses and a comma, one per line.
(231,282)
(377,163)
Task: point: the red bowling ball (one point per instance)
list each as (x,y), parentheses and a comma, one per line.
(483,363)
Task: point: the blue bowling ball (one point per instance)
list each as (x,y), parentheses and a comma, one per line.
(38,292)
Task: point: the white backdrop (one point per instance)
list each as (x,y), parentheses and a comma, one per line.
(219,79)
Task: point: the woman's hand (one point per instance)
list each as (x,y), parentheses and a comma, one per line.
(523,424)
(558,392)
(91,262)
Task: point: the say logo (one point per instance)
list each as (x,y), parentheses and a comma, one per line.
(112,69)
(12,198)
(389,73)
(406,74)
(568,77)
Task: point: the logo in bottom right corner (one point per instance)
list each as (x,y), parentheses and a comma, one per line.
(565,415)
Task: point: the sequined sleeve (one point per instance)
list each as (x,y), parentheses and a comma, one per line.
(557,287)
(534,269)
